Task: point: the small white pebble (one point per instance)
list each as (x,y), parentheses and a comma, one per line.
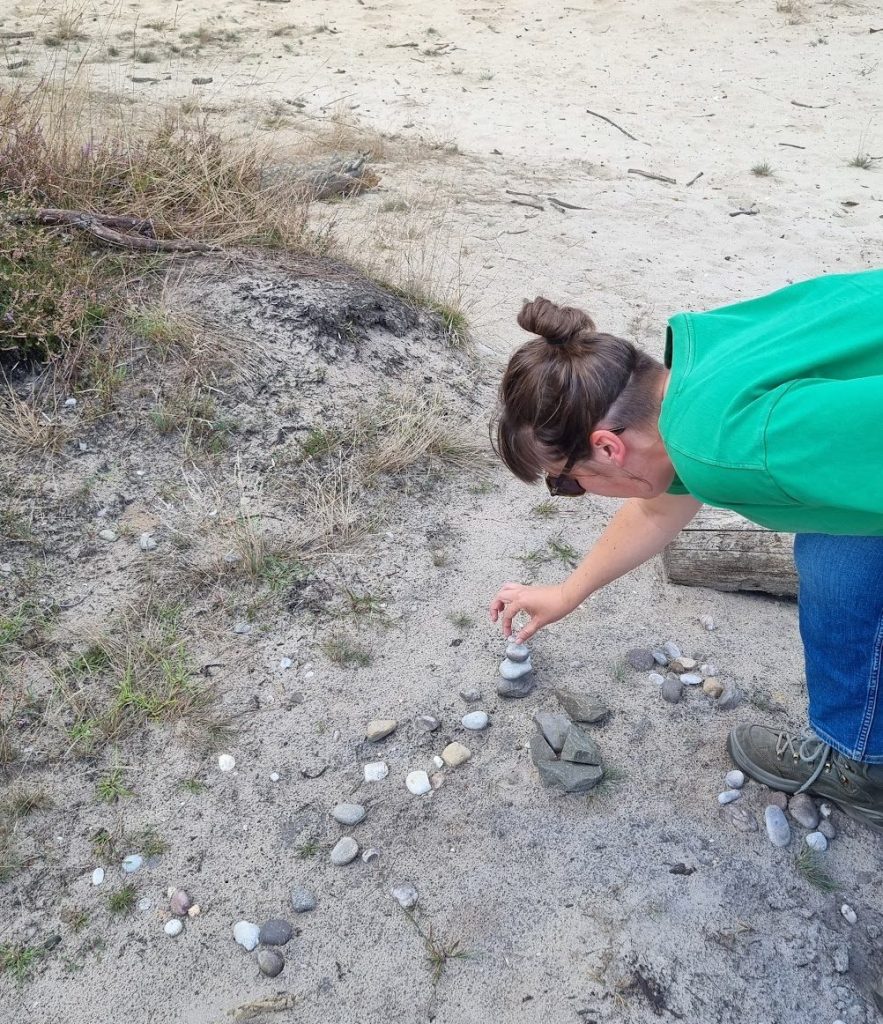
(690,679)
(194,911)
(309,675)
(274,776)
(475,720)
(70,403)
(146,542)
(707,621)
(98,876)
(375,771)
(734,779)
(285,663)
(226,762)
(848,913)
(418,783)
(728,796)
(437,761)
(173,927)
(826,810)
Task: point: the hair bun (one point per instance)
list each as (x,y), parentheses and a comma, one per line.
(557,324)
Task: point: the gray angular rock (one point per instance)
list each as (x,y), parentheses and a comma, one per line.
(672,689)
(553,727)
(777,827)
(672,651)
(582,707)
(471,694)
(729,699)
(640,659)
(803,810)
(346,850)
(303,900)
(827,829)
(579,747)
(405,895)
(349,814)
(540,750)
(660,657)
(742,818)
(270,962)
(427,723)
(515,688)
(276,932)
(568,777)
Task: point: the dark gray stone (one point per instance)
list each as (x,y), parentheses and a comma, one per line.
(579,747)
(582,707)
(302,899)
(553,727)
(827,829)
(660,657)
(568,777)
(803,810)
(729,699)
(540,750)
(275,932)
(672,689)
(515,688)
(270,962)
(640,659)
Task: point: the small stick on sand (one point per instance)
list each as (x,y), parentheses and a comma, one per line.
(565,206)
(269,1004)
(618,127)
(533,206)
(792,145)
(27,35)
(692,181)
(810,106)
(653,177)
(746,213)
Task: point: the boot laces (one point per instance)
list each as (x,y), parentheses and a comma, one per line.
(810,749)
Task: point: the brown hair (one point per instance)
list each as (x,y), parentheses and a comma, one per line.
(559,386)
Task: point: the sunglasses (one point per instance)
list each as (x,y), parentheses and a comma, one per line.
(563,485)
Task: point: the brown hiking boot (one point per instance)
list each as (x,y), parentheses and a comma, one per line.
(803,763)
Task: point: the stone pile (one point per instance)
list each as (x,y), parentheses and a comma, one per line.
(516,672)
(566,756)
(682,672)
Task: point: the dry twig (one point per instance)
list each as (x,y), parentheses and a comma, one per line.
(618,127)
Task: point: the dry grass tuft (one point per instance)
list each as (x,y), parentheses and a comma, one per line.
(25,427)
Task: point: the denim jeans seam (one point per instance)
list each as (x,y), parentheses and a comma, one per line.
(873,692)
(841,748)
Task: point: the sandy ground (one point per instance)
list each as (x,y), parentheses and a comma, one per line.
(567,906)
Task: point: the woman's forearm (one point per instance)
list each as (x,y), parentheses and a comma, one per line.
(637,532)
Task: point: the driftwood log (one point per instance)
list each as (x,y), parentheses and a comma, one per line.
(721,550)
(122,232)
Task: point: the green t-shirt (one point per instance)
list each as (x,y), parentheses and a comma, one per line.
(775,406)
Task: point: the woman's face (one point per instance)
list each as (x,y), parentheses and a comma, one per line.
(624,465)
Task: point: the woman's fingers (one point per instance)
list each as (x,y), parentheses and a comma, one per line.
(535,624)
(512,609)
(508,592)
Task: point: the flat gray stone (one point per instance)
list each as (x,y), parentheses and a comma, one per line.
(729,699)
(515,669)
(582,707)
(515,688)
(579,747)
(640,659)
(275,932)
(518,653)
(270,962)
(553,727)
(427,723)
(349,814)
(827,829)
(672,651)
(471,694)
(568,777)
(672,689)
(303,900)
(540,750)
(660,657)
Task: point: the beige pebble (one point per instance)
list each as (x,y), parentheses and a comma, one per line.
(380,728)
(456,754)
(713,687)
(194,911)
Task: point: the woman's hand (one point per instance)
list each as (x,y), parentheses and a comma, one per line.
(542,604)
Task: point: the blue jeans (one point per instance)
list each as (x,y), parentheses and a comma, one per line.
(841,622)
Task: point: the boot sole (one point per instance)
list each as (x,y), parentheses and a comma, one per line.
(742,761)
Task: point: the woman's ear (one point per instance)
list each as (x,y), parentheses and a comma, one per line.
(607,446)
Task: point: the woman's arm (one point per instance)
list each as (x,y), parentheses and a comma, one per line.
(638,531)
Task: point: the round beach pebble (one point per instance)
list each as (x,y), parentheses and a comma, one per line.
(179,902)
(848,914)
(816,841)
(672,689)
(346,850)
(735,779)
(713,687)
(803,810)
(418,783)
(375,771)
(348,814)
(270,962)
(475,720)
(173,927)
(303,900)
(98,876)
(275,932)
(728,796)
(226,762)
(132,863)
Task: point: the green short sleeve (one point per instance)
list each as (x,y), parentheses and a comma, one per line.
(677,487)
